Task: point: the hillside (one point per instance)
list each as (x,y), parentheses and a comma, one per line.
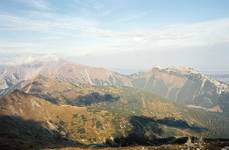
(60,70)
(185,86)
(59,104)
(107,120)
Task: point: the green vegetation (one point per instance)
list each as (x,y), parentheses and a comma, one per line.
(98,125)
(81,130)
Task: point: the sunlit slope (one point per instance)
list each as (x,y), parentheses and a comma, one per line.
(89,114)
(185,86)
(182,85)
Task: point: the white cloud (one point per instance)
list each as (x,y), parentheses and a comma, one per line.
(74,34)
(173,36)
(31,23)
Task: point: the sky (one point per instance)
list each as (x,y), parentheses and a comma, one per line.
(119,34)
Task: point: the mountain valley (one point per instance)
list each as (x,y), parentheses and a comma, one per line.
(60,104)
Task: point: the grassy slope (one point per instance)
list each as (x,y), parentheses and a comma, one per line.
(135,111)
(132,102)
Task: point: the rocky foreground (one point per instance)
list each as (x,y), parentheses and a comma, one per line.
(192,146)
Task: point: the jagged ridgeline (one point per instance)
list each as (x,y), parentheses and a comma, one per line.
(182,85)
(79,105)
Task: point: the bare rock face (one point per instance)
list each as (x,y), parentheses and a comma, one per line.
(185,86)
(63,71)
(182,85)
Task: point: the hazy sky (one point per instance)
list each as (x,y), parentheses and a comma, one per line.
(123,34)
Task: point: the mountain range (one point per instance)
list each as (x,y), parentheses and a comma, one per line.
(52,102)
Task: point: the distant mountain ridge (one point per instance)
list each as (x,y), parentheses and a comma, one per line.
(61,70)
(182,85)
(224,77)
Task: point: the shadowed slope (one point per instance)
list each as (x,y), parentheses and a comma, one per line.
(17,133)
(149,131)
